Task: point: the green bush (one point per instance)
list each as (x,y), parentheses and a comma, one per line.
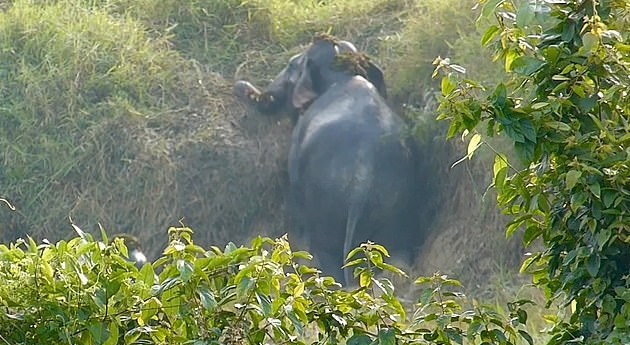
(87,291)
(564,109)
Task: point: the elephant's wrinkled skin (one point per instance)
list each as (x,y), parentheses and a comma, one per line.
(351,167)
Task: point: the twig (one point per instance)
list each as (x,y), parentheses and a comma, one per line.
(11,207)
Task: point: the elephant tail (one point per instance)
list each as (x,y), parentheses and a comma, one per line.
(360,187)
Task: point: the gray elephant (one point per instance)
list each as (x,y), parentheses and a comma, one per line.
(351,165)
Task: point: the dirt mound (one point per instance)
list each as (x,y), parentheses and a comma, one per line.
(212,168)
(231,178)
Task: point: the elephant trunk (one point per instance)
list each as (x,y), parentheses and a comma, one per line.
(266,102)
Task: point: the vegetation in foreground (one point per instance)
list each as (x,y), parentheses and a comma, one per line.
(565,109)
(84,291)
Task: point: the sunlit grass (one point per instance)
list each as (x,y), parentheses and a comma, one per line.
(68,71)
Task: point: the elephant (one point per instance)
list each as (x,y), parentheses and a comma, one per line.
(351,163)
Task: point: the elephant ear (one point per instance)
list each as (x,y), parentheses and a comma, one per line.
(375,76)
(304,91)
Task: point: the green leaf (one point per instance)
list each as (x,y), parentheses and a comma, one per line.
(559,126)
(98,331)
(103,235)
(244,286)
(113,334)
(515,224)
(387,336)
(452,282)
(510,57)
(572,178)
(47,271)
(560,87)
(560,77)
(526,65)
(525,267)
(379,248)
(425,297)
(265,303)
(359,339)
(490,34)
(396,305)
(171,303)
(376,258)
(355,263)
(422,280)
(303,255)
(528,130)
(603,237)
(595,189)
(578,198)
(500,95)
(552,54)
(531,234)
(207,299)
(297,323)
(608,198)
(579,90)
(365,278)
(473,145)
(473,329)
(500,169)
(593,263)
(525,150)
(448,85)
(185,269)
(522,316)
(147,275)
(543,203)
(298,290)
(539,105)
(149,309)
(589,42)
(354,252)
(391,268)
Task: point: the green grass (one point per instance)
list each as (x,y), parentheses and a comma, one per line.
(434,29)
(72,77)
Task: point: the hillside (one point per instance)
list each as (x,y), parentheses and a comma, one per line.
(119,114)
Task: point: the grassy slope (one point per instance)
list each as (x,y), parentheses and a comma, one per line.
(119,113)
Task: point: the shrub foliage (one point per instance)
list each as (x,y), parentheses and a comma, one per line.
(565,109)
(84,291)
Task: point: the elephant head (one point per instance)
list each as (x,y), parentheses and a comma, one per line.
(308,75)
